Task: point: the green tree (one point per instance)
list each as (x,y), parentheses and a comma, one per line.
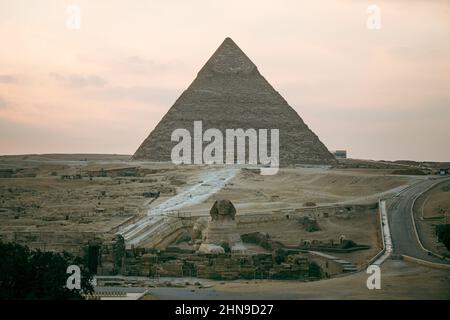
(118,253)
(280,255)
(443,233)
(35,274)
(315,271)
(226,247)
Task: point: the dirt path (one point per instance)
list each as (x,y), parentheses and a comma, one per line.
(211,182)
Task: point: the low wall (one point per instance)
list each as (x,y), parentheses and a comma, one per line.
(313,212)
(427,263)
(155,263)
(329,267)
(71,241)
(167,232)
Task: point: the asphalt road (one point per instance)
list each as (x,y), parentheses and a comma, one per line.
(404,239)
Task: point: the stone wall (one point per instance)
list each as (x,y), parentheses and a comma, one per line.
(329,267)
(313,212)
(186,263)
(167,232)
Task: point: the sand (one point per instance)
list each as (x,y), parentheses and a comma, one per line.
(399,280)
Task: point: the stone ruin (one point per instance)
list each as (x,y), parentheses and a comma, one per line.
(220,234)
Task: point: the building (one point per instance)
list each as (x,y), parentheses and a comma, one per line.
(340,154)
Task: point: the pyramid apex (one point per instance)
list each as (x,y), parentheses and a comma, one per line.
(228,39)
(228,58)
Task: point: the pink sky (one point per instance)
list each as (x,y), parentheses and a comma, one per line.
(381,94)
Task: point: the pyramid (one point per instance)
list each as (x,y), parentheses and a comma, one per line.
(230,93)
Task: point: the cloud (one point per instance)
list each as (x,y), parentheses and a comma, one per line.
(6,78)
(139,65)
(147,94)
(78,81)
(143,94)
(139,60)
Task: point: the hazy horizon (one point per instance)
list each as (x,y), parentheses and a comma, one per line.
(379,94)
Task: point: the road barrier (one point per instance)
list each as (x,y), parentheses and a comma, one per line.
(385,235)
(427,263)
(414,221)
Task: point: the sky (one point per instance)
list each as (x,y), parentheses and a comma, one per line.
(377,93)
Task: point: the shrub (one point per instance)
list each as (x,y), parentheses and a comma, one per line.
(347,244)
(280,255)
(310,204)
(443,233)
(118,253)
(226,247)
(315,271)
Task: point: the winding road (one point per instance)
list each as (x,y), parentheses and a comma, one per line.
(402,229)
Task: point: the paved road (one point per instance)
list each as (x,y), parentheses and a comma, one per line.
(401,226)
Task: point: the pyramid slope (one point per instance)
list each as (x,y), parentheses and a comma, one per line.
(230,93)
